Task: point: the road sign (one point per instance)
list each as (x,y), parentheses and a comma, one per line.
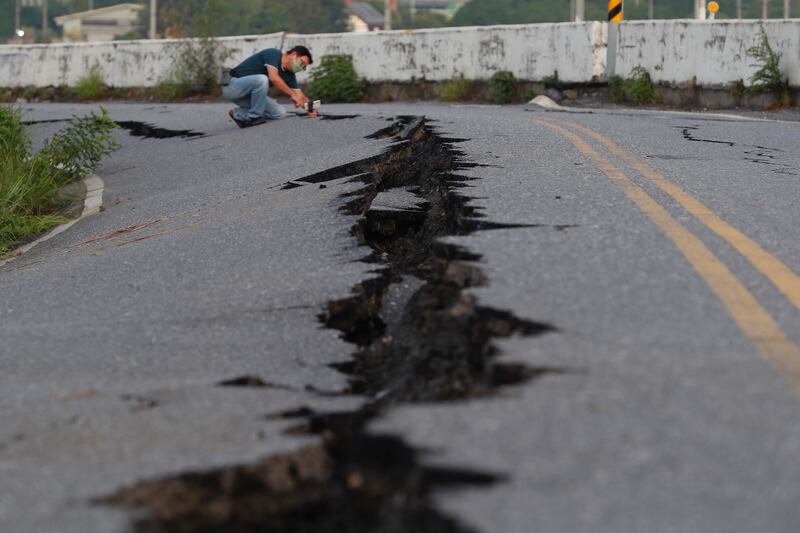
(615,10)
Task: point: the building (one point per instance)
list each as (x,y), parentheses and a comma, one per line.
(363,17)
(102,24)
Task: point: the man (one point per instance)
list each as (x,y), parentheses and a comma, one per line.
(253,77)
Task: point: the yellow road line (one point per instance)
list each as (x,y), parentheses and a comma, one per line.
(762,330)
(770,266)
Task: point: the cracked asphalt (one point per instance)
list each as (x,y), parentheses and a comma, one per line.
(665,417)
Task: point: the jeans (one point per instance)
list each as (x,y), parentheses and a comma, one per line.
(249,93)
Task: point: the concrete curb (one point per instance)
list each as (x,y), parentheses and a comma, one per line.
(92,204)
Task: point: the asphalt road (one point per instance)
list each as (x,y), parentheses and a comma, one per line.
(666,261)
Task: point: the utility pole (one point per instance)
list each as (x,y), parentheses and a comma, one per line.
(413,11)
(786,9)
(700,9)
(650,9)
(765,9)
(16,17)
(580,10)
(739,9)
(387,15)
(153,11)
(44,19)
(572,9)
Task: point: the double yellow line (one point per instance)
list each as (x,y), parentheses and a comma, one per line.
(759,326)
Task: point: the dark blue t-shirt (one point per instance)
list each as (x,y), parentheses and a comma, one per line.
(257,64)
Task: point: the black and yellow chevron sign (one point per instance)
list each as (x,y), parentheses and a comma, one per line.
(615,10)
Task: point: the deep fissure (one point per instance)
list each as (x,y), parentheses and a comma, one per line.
(419,336)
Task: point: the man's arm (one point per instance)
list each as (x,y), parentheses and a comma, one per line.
(296,95)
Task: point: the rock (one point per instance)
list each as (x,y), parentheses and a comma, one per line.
(571,94)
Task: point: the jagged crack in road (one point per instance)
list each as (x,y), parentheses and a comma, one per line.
(419,335)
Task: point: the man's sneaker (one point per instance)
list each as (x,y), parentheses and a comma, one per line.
(245,123)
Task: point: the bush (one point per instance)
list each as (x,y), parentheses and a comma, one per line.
(91,86)
(196,69)
(29,184)
(503,87)
(456,89)
(638,88)
(336,80)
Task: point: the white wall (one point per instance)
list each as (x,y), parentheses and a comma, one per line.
(675,52)
(715,53)
(123,63)
(531,52)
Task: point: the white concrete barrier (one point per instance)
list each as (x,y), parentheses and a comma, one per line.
(675,52)
(142,63)
(531,52)
(713,54)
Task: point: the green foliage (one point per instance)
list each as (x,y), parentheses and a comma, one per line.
(77,151)
(91,86)
(616,86)
(768,78)
(552,79)
(503,87)
(29,184)
(195,70)
(456,89)
(336,80)
(637,89)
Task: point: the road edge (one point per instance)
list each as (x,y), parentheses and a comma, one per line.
(92,204)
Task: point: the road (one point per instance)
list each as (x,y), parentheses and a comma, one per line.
(631,276)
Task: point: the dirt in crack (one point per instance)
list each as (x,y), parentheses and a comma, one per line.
(419,336)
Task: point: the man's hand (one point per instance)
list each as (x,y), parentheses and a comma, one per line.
(313,114)
(299,99)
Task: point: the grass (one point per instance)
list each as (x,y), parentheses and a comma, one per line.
(456,89)
(30,183)
(91,86)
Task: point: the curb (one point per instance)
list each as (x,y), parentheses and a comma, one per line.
(92,204)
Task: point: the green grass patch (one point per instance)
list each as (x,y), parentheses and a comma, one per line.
(457,89)
(91,86)
(30,183)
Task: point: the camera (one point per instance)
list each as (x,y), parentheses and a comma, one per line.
(312,106)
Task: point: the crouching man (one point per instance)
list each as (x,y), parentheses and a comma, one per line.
(253,77)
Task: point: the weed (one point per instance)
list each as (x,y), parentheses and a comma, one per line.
(195,70)
(456,89)
(768,78)
(336,80)
(638,88)
(550,80)
(91,86)
(29,184)
(530,94)
(503,87)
